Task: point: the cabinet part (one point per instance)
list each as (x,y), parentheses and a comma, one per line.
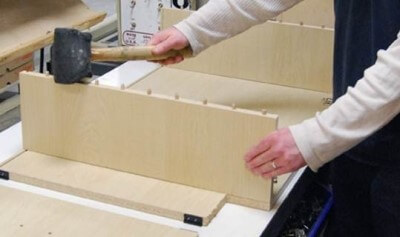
(180,141)
(28,214)
(115,187)
(276,53)
(311,12)
(293,105)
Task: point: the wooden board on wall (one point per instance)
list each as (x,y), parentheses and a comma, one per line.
(115,187)
(293,105)
(181,141)
(10,77)
(26,26)
(10,66)
(28,214)
(277,53)
(311,12)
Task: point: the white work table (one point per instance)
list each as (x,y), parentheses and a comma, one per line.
(232,220)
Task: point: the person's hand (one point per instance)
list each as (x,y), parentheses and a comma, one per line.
(166,40)
(276,154)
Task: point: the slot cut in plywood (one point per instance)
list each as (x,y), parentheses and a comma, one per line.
(276,53)
(180,141)
(28,214)
(293,105)
(26,26)
(115,187)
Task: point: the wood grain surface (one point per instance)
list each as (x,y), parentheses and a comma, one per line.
(115,187)
(27,214)
(276,53)
(292,105)
(181,141)
(26,26)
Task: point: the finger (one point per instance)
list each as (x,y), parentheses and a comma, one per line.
(157,38)
(261,147)
(164,47)
(169,61)
(265,168)
(276,172)
(179,59)
(261,159)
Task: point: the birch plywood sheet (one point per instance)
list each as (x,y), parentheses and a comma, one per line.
(277,53)
(28,25)
(115,187)
(27,214)
(311,12)
(293,105)
(179,141)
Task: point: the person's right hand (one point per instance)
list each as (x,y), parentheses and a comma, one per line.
(166,40)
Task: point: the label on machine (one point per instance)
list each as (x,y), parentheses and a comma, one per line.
(140,19)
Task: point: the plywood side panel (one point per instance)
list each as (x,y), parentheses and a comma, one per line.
(26,26)
(311,12)
(293,105)
(282,54)
(179,141)
(28,214)
(115,187)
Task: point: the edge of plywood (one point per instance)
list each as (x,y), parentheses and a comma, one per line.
(36,215)
(69,177)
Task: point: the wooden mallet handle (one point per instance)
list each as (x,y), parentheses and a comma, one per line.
(126,53)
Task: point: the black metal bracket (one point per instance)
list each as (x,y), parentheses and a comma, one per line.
(4,175)
(193,220)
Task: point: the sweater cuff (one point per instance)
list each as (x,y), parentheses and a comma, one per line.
(301,135)
(188,33)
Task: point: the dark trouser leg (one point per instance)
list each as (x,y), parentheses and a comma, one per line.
(385,197)
(351,214)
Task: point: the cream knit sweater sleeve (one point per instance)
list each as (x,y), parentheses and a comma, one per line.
(222,19)
(365,108)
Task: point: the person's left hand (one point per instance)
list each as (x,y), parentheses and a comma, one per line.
(276,154)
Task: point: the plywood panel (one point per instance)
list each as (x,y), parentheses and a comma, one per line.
(277,53)
(311,12)
(28,25)
(28,214)
(115,187)
(180,141)
(293,105)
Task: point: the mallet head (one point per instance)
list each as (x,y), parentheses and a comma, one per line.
(70,55)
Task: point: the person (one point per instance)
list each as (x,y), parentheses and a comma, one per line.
(359,131)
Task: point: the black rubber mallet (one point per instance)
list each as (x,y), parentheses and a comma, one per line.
(71,55)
